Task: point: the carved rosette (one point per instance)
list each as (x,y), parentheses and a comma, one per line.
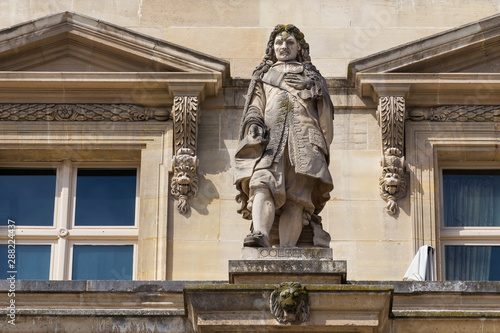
(393,180)
(63,233)
(186,115)
(289,303)
(79,112)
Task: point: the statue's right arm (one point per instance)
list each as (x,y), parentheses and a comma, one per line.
(253,122)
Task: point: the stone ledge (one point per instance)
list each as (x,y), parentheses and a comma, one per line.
(400,287)
(444,314)
(270,287)
(411,287)
(99,286)
(96,312)
(277,271)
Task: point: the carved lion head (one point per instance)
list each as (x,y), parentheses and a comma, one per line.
(184,174)
(184,180)
(290,303)
(392,186)
(392,182)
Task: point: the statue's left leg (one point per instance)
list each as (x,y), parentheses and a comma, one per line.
(290,224)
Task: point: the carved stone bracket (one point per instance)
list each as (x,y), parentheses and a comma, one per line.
(80,112)
(391,113)
(186,116)
(460,113)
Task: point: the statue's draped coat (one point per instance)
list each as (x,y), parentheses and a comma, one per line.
(298,125)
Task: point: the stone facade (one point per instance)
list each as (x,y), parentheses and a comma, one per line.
(111,79)
(180,306)
(236,32)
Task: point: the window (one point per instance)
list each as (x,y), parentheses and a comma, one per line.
(27,195)
(73,220)
(105,197)
(32,262)
(470,232)
(102,262)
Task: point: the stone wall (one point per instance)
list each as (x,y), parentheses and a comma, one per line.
(180,306)
(377,246)
(236,30)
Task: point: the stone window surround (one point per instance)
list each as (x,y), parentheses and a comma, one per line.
(430,147)
(145,146)
(464,131)
(63,234)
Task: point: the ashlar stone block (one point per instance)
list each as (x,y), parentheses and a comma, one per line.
(267,269)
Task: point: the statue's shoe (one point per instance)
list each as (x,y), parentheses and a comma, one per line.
(256,239)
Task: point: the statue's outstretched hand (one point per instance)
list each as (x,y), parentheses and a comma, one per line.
(299,82)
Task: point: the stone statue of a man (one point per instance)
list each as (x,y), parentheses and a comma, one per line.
(285,135)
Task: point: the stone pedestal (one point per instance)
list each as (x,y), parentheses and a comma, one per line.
(315,292)
(246,308)
(276,265)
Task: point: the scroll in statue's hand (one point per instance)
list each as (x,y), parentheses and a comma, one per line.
(298,81)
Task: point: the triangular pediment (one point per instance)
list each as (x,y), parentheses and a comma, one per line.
(56,42)
(471,48)
(81,59)
(443,68)
(74,63)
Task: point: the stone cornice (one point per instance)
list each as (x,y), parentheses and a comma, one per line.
(449,51)
(143,49)
(148,88)
(431,89)
(365,305)
(114,65)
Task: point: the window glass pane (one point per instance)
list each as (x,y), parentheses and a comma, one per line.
(471,198)
(472,263)
(27,196)
(32,262)
(102,262)
(105,197)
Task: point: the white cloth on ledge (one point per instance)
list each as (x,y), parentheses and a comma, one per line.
(422,268)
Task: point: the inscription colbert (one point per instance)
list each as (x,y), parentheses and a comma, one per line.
(276,253)
(281,252)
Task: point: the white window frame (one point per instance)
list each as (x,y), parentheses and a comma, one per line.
(64,215)
(463,236)
(71,245)
(431,146)
(51,243)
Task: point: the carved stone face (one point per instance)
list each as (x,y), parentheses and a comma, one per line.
(391,182)
(184,174)
(290,303)
(286,47)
